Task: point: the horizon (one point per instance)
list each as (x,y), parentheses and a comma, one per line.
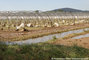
(45,10)
(46,5)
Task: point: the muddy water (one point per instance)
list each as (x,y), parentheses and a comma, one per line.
(46,38)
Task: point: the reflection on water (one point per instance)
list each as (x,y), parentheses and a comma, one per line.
(46,38)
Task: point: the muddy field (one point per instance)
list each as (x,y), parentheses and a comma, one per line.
(33,33)
(82,42)
(79,39)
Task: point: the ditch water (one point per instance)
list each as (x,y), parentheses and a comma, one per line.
(81,36)
(49,37)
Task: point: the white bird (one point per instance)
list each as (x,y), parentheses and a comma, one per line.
(56,24)
(63,21)
(18,27)
(21,25)
(29,25)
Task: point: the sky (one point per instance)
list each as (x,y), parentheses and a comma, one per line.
(43,5)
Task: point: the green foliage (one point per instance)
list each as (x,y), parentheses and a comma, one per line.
(42,51)
(54,37)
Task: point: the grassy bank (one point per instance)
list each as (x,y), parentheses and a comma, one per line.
(42,51)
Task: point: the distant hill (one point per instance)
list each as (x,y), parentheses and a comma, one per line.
(68,10)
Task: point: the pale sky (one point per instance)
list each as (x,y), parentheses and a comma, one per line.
(43,4)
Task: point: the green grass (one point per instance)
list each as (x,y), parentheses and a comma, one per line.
(41,51)
(34,28)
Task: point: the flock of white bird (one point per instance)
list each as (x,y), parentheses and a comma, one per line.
(22,25)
